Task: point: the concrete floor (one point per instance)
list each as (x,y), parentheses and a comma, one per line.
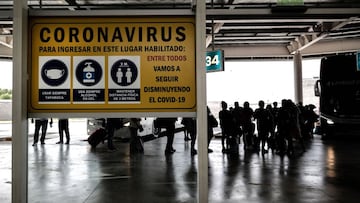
(326,172)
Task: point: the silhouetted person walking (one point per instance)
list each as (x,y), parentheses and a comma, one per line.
(170,133)
(283,127)
(40,123)
(63,127)
(247,125)
(295,130)
(212,123)
(264,123)
(112,124)
(186,132)
(227,126)
(236,112)
(190,125)
(136,143)
(310,118)
(169,125)
(275,113)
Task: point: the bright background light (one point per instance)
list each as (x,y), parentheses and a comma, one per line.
(257,80)
(6,75)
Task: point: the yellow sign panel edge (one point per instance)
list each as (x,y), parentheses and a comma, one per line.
(100,107)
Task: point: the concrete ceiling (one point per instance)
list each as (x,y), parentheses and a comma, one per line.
(243,28)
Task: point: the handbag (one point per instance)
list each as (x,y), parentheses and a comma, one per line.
(213,122)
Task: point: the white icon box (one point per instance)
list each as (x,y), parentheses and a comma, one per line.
(123,75)
(54,73)
(88,73)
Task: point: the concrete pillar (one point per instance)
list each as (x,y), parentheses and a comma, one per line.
(201,101)
(19,106)
(298,77)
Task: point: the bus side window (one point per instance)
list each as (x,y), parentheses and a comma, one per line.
(317,88)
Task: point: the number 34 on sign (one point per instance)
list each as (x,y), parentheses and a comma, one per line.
(215,61)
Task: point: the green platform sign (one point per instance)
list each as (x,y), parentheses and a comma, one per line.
(290,2)
(215,61)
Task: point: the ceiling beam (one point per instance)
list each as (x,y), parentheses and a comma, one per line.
(254,51)
(259,13)
(216,27)
(251,20)
(328,47)
(112,13)
(5,51)
(6,41)
(305,41)
(6,14)
(276,51)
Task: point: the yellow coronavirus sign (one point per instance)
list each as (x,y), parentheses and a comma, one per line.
(112,64)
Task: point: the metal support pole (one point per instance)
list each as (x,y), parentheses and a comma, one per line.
(201,102)
(298,77)
(19,106)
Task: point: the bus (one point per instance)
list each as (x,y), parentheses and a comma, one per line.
(338,89)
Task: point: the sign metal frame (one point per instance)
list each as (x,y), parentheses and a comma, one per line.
(162,52)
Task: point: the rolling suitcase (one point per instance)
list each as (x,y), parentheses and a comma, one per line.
(96,137)
(136,145)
